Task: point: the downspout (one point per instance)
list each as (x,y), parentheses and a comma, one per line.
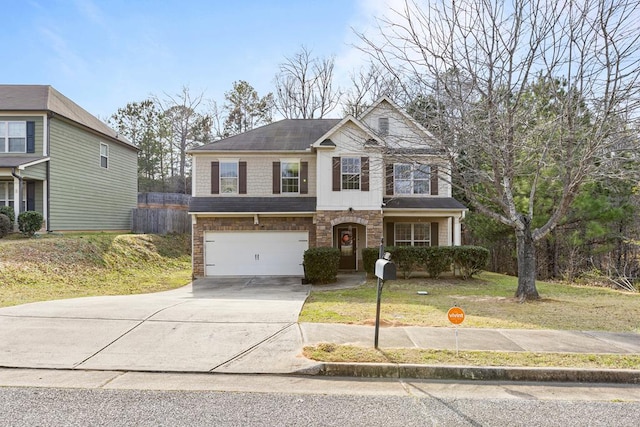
(48,171)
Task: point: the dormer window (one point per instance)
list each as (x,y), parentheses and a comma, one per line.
(383,126)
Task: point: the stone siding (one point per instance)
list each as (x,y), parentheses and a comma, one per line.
(326,220)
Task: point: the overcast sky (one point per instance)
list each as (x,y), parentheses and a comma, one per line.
(105,53)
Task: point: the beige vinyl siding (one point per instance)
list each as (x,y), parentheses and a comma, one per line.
(39,132)
(83,195)
(259,173)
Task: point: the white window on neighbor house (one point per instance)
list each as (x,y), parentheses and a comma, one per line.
(350,168)
(290,176)
(412,234)
(411,178)
(383,126)
(104,155)
(6,194)
(228,177)
(13,137)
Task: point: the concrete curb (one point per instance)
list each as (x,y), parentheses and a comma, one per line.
(480,373)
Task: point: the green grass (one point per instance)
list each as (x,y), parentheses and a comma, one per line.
(487,301)
(91,264)
(345,353)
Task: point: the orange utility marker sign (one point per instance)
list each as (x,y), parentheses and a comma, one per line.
(456,316)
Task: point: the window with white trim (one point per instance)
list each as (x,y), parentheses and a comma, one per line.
(290,176)
(6,194)
(411,178)
(104,155)
(13,137)
(412,234)
(350,173)
(229,177)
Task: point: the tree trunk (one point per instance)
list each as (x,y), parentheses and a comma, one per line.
(526,263)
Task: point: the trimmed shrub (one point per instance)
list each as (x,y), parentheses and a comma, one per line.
(406,258)
(369,258)
(470,260)
(9,212)
(437,260)
(321,264)
(30,222)
(5,225)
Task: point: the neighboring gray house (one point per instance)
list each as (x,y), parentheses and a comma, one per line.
(59,160)
(261,198)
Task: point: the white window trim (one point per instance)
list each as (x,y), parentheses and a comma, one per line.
(4,139)
(102,144)
(383,130)
(359,174)
(220,177)
(282,162)
(412,180)
(413,240)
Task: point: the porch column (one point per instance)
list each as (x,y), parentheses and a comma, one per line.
(457,232)
(45,211)
(17,197)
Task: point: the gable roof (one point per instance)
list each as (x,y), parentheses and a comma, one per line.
(283,135)
(31,98)
(400,110)
(320,142)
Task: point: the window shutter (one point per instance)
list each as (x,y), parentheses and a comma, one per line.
(242,177)
(389,176)
(390,234)
(364,173)
(336,173)
(215,177)
(304,177)
(434,234)
(434,180)
(276,177)
(31,137)
(31,196)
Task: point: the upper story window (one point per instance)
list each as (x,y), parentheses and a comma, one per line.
(229,177)
(350,173)
(13,137)
(411,178)
(290,176)
(383,126)
(104,155)
(412,234)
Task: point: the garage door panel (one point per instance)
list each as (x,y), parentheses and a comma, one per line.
(255,253)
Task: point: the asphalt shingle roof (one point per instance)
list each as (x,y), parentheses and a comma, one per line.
(252,204)
(284,135)
(46,98)
(422,203)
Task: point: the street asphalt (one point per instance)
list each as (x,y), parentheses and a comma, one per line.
(249,326)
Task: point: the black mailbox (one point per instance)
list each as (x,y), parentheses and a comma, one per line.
(385,269)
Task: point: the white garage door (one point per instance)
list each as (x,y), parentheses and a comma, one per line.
(255,253)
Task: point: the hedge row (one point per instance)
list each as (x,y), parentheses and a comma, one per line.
(435,260)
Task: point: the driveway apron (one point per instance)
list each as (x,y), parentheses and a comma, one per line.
(227,325)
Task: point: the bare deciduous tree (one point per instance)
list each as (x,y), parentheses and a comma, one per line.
(368,85)
(304,87)
(533,96)
(186,126)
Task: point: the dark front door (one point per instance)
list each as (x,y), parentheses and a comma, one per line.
(347,245)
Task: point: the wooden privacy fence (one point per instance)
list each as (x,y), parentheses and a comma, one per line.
(161,213)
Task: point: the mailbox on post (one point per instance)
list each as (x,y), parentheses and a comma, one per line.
(385,269)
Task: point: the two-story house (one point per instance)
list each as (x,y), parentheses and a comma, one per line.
(59,160)
(261,198)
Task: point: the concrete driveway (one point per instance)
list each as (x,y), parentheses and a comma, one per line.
(224,325)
